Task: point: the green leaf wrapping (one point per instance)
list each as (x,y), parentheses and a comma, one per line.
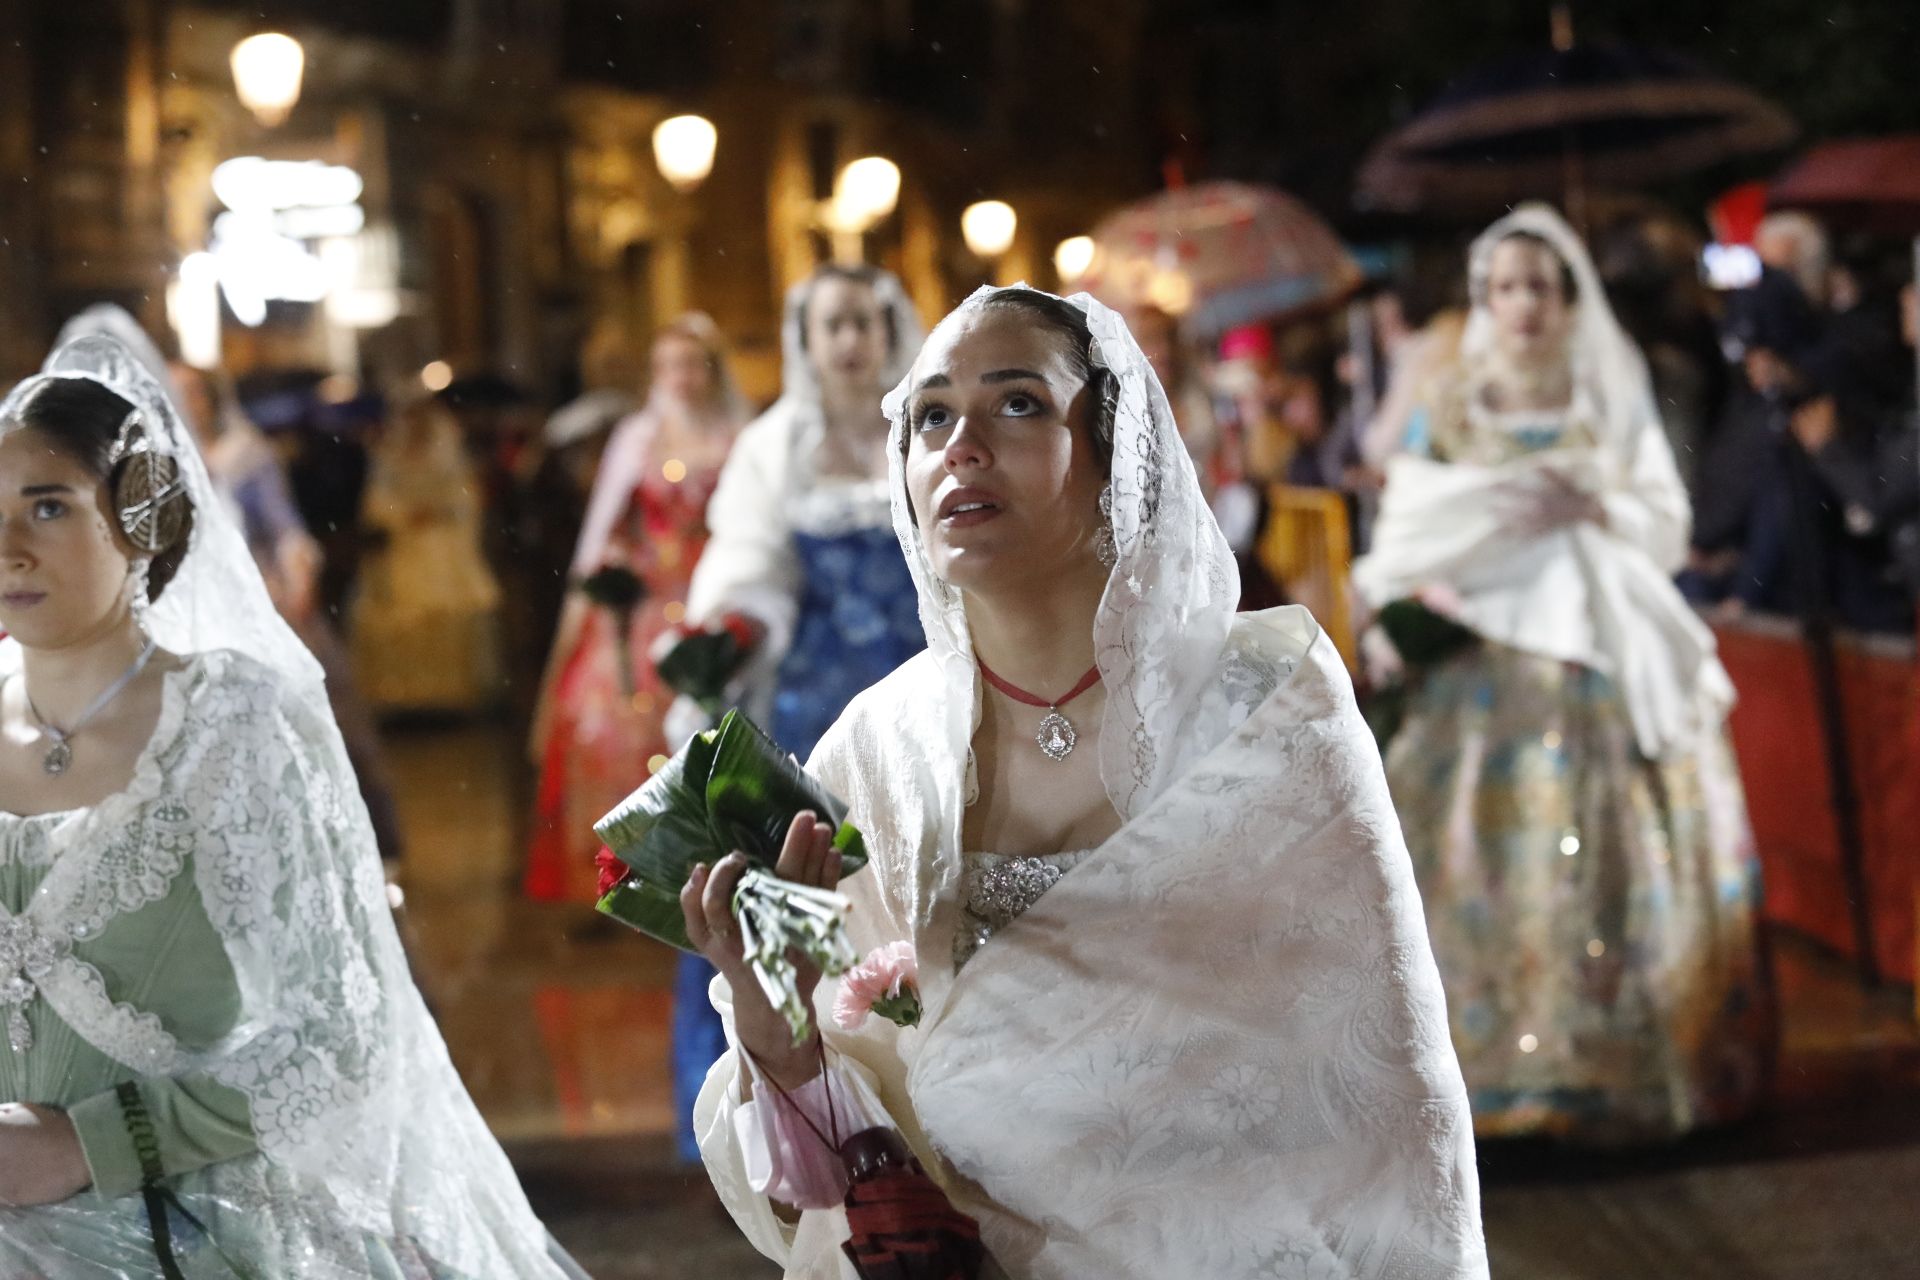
(729,788)
(661,830)
(755,790)
(649,908)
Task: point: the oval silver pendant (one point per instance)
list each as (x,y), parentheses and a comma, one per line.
(58,757)
(1056,736)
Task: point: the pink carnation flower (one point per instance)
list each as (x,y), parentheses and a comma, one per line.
(887,982)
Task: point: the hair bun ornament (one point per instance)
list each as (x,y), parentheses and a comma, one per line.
(148,493)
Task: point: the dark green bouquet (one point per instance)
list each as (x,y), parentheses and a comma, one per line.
(1423,638)
(619,591)
(700,662)
(732,788)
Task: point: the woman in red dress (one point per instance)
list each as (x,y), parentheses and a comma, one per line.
(602,708)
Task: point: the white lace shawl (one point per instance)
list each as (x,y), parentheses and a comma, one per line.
(1217,1047)
(1602,597)
(362,1124)
(352,1098)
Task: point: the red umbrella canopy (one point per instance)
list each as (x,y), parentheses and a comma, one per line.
(1869,183)
(1219,255)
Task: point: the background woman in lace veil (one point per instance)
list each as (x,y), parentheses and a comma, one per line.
(214,1055)
(1143,850)
(1571,801)
(803,550)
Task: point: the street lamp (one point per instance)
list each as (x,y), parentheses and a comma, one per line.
(683,148)
(988,227)
(1072,257)
(866,191)
(266,74)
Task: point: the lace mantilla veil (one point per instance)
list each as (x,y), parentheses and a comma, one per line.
(1606,364)
(364,1129)
(1164,619)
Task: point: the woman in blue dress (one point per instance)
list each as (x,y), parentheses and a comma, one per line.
(802,546)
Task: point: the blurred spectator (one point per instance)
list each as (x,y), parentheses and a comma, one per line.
(1237,492)
(323,448)
(1874,477)
(1650,264)
(1863,330)
(426,624)
(248,472)
(1322,451)
(1800,512)
(1795,244)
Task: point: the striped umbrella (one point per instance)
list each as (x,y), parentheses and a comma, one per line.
(1219,255)
(1545,125)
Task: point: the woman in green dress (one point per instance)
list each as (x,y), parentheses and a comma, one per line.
(214,1061)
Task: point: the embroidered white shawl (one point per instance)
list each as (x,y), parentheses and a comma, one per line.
(1218,1047)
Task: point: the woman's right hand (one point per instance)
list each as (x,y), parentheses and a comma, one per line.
(808,857)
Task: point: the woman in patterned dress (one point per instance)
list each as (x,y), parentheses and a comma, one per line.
(1564,775)
(214,1060)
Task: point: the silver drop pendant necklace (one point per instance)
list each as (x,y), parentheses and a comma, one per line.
(59,757)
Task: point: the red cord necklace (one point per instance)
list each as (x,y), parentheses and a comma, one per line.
(1057,736)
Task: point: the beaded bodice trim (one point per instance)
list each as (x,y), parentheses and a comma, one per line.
(998,889)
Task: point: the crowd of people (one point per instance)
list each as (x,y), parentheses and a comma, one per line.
(1177,905)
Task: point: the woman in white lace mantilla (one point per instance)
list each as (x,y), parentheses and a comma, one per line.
(215,1062)
(1180,1018)
(1571,801)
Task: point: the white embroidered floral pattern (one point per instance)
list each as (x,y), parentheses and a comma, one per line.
(27,955)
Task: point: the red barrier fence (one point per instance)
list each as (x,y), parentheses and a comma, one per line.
(1776,730)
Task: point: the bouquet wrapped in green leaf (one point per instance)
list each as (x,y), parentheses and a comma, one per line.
(700,662)
(731,788)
